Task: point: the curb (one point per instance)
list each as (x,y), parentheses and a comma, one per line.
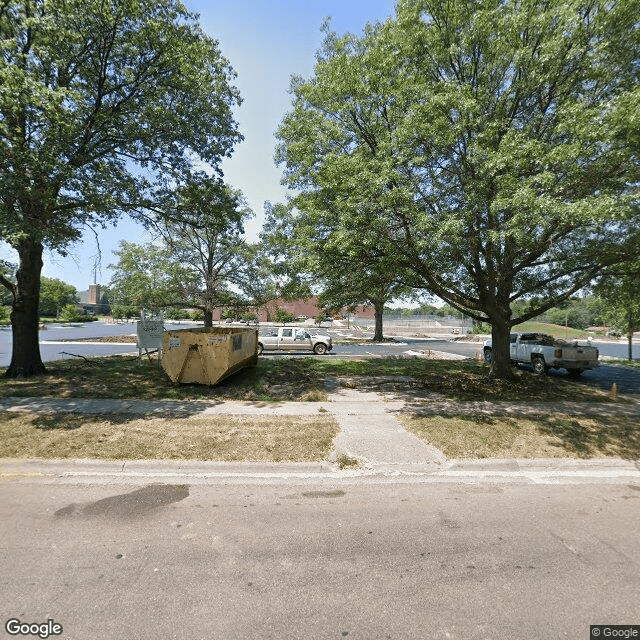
(496,471)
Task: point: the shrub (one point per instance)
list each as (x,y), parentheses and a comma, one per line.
(71,313)
(124,311)
(173,313)
(481,327)
(284,316)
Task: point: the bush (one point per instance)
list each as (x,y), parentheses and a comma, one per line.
(481,327)
(71,313)
(5,315)
(124,311)
(197,316)
(284,316)
(173,313)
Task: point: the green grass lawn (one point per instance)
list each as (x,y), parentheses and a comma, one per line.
(300,379)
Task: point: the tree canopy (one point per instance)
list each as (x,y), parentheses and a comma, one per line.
(99,101)
(483,144)
(200,252)
(317,254)
(55,295)
(621,293)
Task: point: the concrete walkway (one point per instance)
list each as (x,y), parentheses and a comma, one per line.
(369,432)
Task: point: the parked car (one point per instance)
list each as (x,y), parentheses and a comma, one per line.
(293,339)
(545,352)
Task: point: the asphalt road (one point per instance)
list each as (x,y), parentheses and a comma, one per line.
(350,559)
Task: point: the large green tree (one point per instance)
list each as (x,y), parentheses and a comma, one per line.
(200,253)
(482,143)
(54,295)
(317,253)
(621,293)
(98,100)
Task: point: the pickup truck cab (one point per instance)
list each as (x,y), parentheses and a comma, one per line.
(293,339)
(545,352)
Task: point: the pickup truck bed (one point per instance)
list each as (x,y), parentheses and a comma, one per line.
(544,352)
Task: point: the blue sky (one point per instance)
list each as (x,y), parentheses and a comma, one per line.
(265,42)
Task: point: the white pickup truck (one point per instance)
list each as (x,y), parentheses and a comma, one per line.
(545,352)
(293,339)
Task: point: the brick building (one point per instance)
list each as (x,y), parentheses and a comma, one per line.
(309,307)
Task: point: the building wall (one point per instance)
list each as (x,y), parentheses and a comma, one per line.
(94,294)
(309,308)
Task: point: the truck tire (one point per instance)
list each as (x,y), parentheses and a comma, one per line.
(488,357)
(320,349)
(539,365)
(260,349)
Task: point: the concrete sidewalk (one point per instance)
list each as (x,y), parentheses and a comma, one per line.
(369,432)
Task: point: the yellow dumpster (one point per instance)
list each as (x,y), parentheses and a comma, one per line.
(206,356)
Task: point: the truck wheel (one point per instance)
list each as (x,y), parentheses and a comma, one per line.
(574,373)
(539,365)
(488,358)
(260,349)
(320,349)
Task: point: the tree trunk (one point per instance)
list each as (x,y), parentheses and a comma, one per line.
(500,344)
(208,318)
(377,336)
(25,355)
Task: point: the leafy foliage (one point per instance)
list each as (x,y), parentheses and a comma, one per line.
(482,145)
(199,254)
(101,100)
(284,316)
(71,313)
(90,87)
(621,291)
(54,295)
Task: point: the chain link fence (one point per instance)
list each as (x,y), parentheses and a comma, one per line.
(417,325)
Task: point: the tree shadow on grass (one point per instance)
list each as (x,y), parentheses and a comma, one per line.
(589,437)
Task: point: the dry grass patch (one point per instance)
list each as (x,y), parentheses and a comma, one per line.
(555,436)
(220,438)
